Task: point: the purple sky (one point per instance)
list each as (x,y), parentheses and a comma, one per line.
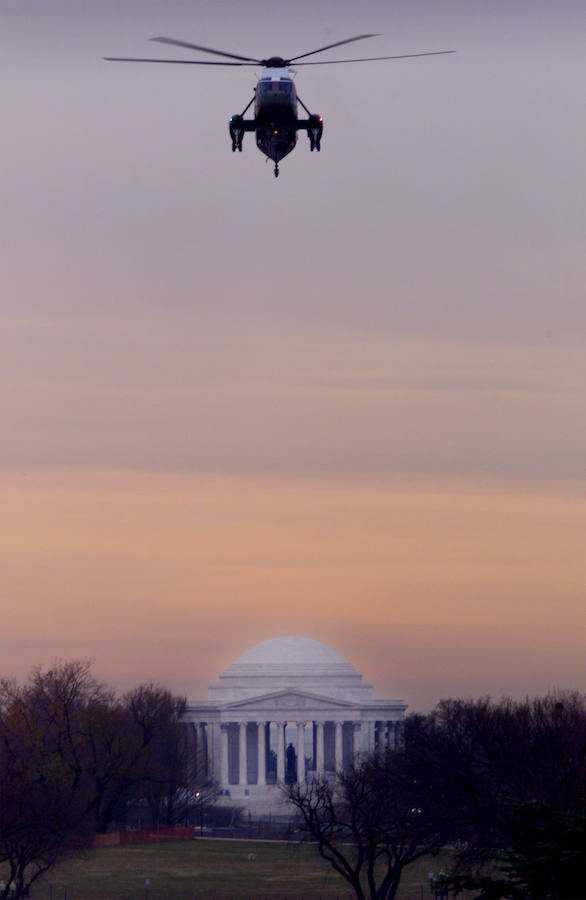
(405,308)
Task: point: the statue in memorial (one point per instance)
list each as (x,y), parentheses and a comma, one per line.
(291,765)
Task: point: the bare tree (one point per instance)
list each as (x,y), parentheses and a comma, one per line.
(124,739)
(366,825)
(173,786)
(72,755)
(513,774)
(43,798)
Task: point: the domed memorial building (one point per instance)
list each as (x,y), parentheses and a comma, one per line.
(288,709)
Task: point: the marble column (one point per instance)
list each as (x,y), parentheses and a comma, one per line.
(379,738)
(338,757)
(262,754)
(242,753)
(357,734)
(319,753)
(301,752)
(193,745)
(203,749)
(400,735)
(365,738)
(371,736)
(280,752)
(224,756)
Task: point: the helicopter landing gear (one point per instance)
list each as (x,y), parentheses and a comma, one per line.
(236,134)
(237,127)
(314,132)
(314,125)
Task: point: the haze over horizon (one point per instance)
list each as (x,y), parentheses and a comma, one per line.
(349,404)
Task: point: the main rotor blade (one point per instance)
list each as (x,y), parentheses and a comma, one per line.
(183,62)
(332,62)
(359,37)
(166,40)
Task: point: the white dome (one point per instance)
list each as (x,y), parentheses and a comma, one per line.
(290,656)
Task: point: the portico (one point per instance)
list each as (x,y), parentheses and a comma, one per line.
(289,709)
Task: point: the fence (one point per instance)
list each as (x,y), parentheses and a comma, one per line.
(69,894)
(144,836)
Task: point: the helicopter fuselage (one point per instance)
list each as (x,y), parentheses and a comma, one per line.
(275,109)
(276,121)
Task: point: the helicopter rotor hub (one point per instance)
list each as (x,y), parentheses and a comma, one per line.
(274,62)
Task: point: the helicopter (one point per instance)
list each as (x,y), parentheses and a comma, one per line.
(276,121)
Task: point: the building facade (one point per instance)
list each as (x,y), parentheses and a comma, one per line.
(289,709)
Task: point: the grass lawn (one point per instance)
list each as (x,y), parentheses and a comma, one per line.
(206,869)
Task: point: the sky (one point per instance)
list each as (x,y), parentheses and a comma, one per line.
(347,404)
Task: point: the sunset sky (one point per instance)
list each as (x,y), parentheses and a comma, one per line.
(349,404)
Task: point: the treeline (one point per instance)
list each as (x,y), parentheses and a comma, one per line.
(75,757)
(500,786)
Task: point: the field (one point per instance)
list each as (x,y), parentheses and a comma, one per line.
(206,869)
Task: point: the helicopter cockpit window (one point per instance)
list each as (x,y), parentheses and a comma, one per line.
(267,85)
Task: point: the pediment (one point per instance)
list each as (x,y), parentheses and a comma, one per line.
(289,700)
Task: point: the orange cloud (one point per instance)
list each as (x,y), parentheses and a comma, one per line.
(430,588)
